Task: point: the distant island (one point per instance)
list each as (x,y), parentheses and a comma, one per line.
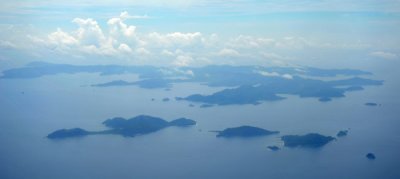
(244,131)
(312,140)
(135,126)
(268,88)
(148,83)
(243,84)
(240,95)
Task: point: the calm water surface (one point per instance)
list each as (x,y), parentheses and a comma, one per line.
(32,108)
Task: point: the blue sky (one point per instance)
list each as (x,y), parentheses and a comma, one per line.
(185,33)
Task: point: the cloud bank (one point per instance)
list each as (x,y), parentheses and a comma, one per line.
(117,41)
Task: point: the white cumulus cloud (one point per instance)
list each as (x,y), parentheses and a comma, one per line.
(124,48)
(89,32)
(62,38)
(384,55)
(118,39)
(275,74)
(226,52)
(183,60)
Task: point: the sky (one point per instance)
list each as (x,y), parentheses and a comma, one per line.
(200,32)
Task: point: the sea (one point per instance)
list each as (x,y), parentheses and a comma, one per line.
(30,109)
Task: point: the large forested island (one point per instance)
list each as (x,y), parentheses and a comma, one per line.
(132,127)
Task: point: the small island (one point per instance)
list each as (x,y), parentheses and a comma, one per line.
(66,133)
(370,156)
(135,126)
(165,99)
(342,133)
(206,105)
(312,140)
(182,122)
(273,148)
(371,104)
(245,131)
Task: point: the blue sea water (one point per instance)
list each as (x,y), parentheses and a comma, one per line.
(32,108)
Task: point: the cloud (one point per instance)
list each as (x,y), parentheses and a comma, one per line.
(167,53)
(142,51)
(265,73)
(249,42)
(272,55)
(287,76)
(275,74)
(7,44)
(175,39)
(89,32)
(62,38)
(384,55)
(119,28)
(294,43)
(226,52)
(124,15)
(117,39)
(189,72)
(183,60)
(124,48)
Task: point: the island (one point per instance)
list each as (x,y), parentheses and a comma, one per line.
(342,133)
(139,125)
(240,95)
(312,140)
(244,131)
(255,89)
(66,133)
(165,99)
(206,105)
(182,122)
(371,104)
(354,88)
(240,85)
(273,148)
(370,156)
(113,83)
